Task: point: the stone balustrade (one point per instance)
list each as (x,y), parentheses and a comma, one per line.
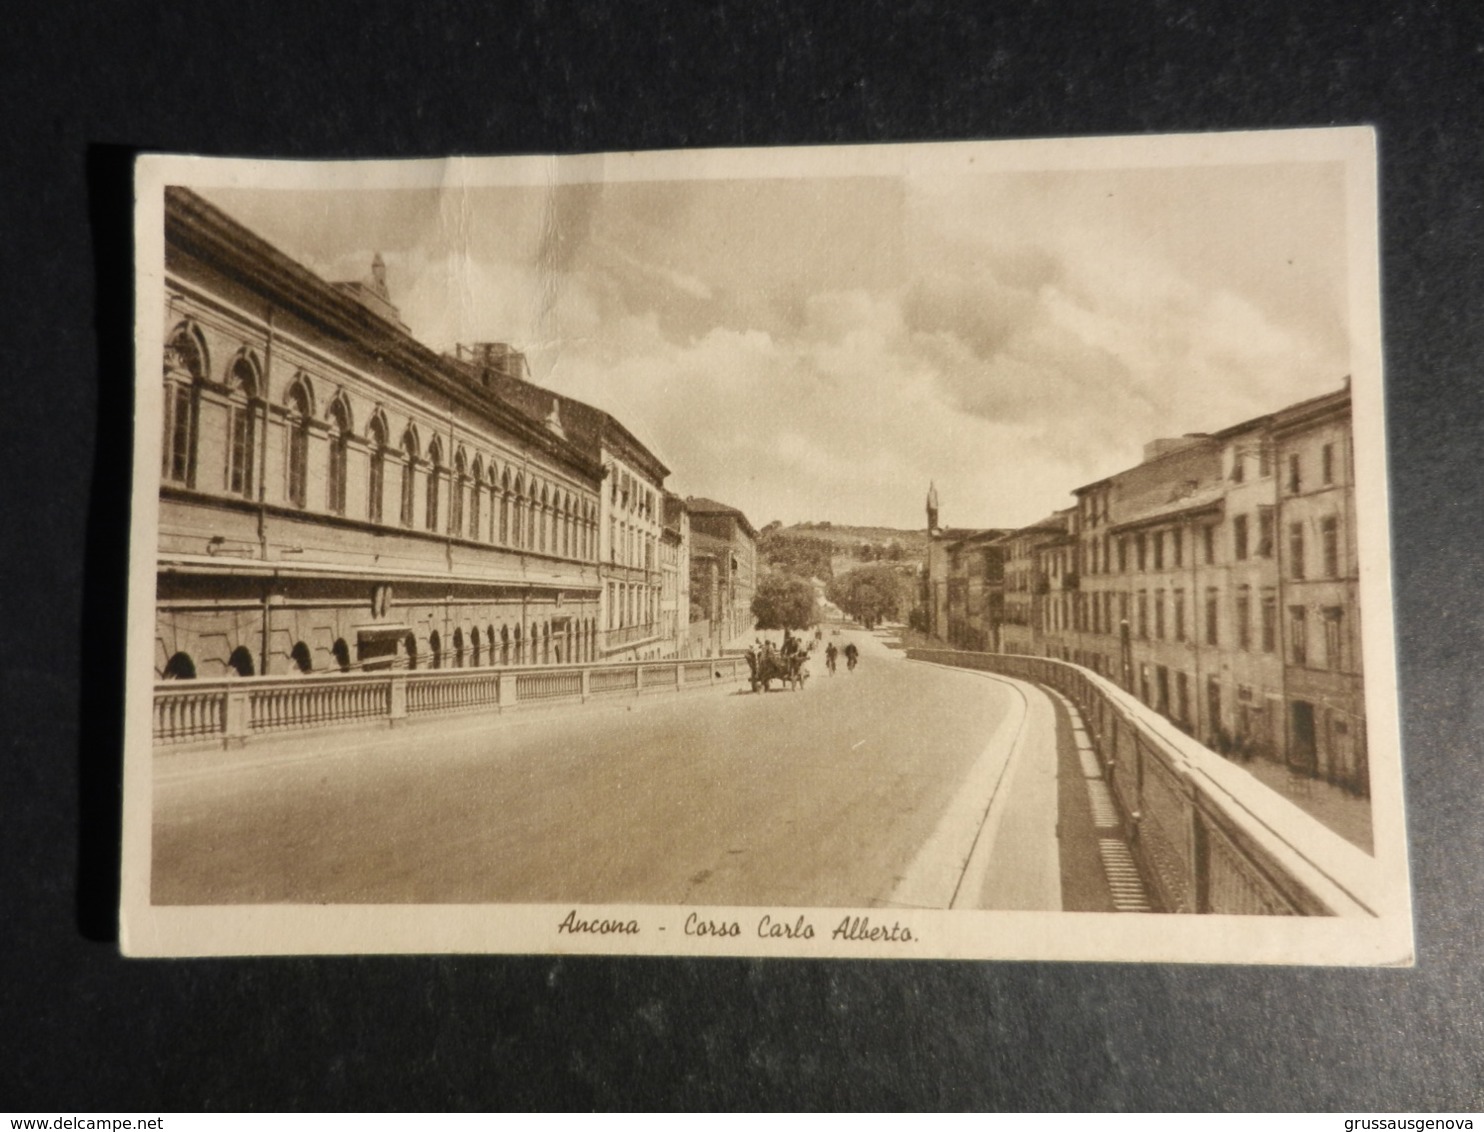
(233,711)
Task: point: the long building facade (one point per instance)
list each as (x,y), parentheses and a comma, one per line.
(1217,580)
(337,497)
(630,520)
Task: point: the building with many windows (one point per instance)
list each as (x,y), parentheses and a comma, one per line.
(335,496)
(1317,589)
(723,568)
(961,586)
(976,590)
(1027,583)
(630,519)
(1217,580)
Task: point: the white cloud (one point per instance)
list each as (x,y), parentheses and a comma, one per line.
(822,349)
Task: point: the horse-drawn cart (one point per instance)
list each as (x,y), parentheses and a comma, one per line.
(769,666)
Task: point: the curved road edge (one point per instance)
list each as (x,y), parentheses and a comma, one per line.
(953,869)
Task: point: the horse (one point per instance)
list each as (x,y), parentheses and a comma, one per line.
(770,666)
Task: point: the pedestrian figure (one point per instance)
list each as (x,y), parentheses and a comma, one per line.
(852,654)
(829,657)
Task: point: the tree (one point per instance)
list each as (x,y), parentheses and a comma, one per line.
(782,602)
(872,594)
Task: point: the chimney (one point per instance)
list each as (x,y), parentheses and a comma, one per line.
(1165,445)
(497,357)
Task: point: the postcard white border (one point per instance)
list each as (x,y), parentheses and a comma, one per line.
(149,930)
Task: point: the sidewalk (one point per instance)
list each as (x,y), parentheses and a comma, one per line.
(1334,808)
(1331,806)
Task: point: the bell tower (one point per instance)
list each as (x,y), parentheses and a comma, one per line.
(932,508)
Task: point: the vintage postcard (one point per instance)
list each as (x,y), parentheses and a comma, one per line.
(969,550)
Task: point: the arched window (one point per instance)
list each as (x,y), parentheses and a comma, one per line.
(458,648)
(300,657)
(409,646)
(186,367)
(476,486)
(541,515)
(240,662)
(505,508)
(298,438)
(489,636)
(435,649)
(474,643)
(456,495)
(535,502)
(518,503)
(504,645)
(435,472)
(376,439)
(339,448)
(243,389)
(520,652)
(549,507)
(409,459)
(499,488)
(341,652)
(179,667)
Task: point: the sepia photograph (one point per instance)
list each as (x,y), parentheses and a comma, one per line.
(968,550)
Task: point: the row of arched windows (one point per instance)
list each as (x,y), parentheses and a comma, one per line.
(485,503)
(539,644)
(573,643)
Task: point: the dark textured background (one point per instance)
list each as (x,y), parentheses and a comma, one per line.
(83,85)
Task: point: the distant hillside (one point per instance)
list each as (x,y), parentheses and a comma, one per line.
(825,550)
(854,536)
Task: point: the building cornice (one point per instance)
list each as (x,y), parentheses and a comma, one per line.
(1307,413)
(200,230)
(1174,514)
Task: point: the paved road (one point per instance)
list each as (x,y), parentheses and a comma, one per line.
(870,788)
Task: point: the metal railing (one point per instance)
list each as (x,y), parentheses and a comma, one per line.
(231,711)
(1209,837)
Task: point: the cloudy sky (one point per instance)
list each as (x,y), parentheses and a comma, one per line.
(823,347)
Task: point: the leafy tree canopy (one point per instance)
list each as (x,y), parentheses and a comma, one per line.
(783,602)
(872,594)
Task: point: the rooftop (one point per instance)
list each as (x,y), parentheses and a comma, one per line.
(700,505)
